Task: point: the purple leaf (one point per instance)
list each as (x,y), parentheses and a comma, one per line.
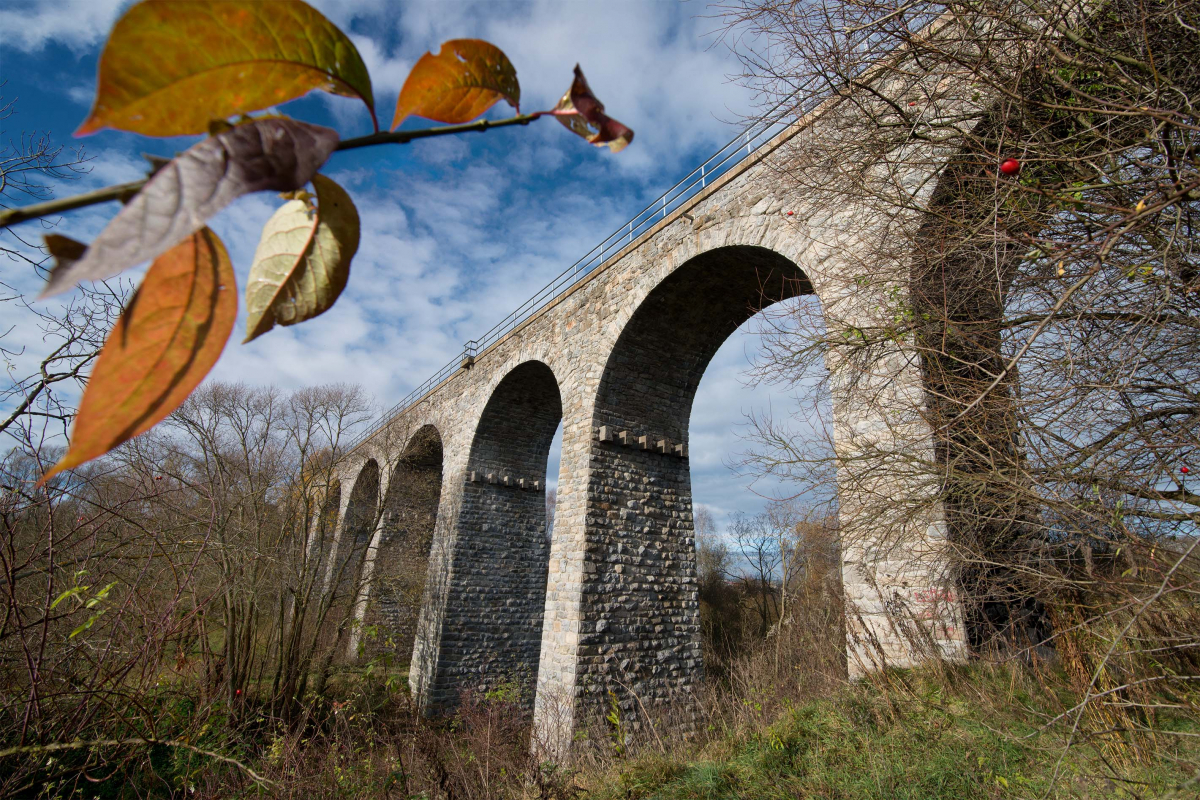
(582,114)
(275,154)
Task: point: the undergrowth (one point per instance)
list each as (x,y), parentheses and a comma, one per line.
(980,731)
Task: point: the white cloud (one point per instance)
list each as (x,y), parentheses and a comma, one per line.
(82,94)
(78,24)
(651,63)
(387,73)
(720,432)
(109,167)
(648,62)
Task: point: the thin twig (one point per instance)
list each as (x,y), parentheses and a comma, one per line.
(646,714)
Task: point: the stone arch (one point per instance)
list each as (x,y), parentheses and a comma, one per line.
(327,511)
(355,528)
(398,560)
(490,628)
(323,531)
(656,364)
(640,560)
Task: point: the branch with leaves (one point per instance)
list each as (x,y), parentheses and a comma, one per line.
(231,58)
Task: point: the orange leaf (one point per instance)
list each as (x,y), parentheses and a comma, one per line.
(171,66)
(166,341)
(465,79)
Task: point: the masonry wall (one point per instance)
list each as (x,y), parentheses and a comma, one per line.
(641,623)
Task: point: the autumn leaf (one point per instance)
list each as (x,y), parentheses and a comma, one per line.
(172,66)
(303,259)
(275,153)
(582,114)
(64,248)
(465,79)
(167,339)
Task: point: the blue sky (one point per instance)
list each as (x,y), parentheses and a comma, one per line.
(457,232)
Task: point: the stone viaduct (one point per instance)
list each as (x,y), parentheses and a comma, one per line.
(610,603)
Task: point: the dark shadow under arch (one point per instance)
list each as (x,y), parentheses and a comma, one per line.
(401,562)
(356,531)
(494,608)
(327,516)
(961,277)
(324,531)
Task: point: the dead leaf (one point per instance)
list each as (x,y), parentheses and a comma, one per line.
(277,154)
(582,114)
(64,249)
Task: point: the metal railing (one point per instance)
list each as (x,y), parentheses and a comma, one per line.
(734,152)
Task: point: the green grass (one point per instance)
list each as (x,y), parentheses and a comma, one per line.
(911,742)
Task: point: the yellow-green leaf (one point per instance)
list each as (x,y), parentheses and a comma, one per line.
(465,79)
(167,339)
(72,592)
(172,66)
(303,259)
(87,625)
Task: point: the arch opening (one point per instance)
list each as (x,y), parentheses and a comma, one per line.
(356,529)
(324,532)
(400,558)
(641,538)
(765,525)
(327,516)
(343,577)
(553,466)
(492,631)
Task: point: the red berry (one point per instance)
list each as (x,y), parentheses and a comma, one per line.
(912,103)
(1010,166)
(1184,470)
(790,213)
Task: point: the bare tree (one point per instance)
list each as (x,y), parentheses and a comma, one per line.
(256,466)
(36,408)
(759,567)
(1050,299)
(186,566)
(722,632)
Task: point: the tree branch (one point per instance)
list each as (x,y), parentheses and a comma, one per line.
(124,191)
